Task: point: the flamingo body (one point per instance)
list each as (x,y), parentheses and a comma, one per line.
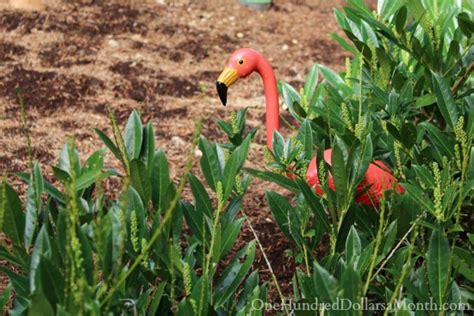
(242,63)
(377,179)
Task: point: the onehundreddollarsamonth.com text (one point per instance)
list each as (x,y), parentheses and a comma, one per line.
(364,304)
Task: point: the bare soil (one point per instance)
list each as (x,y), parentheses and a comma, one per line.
(71,60)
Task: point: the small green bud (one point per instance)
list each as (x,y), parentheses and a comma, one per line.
(346,117)
(143,251)
(187,278)
(322,173)
(238,185)
(234,123)
(398,158)
(134,230)
(459,131)
(438,193)
(220,194)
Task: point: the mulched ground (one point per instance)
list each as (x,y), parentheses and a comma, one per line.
(71,60)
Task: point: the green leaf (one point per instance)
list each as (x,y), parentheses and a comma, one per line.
(49,188)
(314,203)
(465,23)
(42,248)
(353,245)
(5,297)
(39,305)
(233,165)
(109,143)
(157,295)
(65,161)
(234,274)
(201,293)
(339,172)
(445,100)
(344,44)
(281,212)
(351,285)
(10,257)
(290,95)
(133,136)
(306,135)
(441,141)
(160,181)
(425,100)
(364,158)
(195,220)
(400,18)
(210,163)
(390,236)
(92,171)
(418,196)
(201,198)
(149,146)
(12,218)
(274,177)
(50,281)
(439,256)
(140,180)
(325,283)
(334,79)
(311,83)
(229,235)
(33,204)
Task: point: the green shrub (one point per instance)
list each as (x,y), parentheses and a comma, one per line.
(73,251)
(406,99)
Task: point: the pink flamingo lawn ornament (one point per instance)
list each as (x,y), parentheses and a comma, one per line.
(242,63)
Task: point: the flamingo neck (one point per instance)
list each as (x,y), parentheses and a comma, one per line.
(271,99)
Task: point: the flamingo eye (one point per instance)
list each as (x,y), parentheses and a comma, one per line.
(241,61)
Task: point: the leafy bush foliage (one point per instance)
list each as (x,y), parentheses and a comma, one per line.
(74,251)
(406,99)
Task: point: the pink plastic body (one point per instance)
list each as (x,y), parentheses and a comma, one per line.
(378,177)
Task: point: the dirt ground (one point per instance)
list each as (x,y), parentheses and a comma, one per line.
(162,58)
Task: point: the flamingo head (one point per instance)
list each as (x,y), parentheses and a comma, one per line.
(241,63)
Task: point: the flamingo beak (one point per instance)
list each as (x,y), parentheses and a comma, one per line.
(225,80)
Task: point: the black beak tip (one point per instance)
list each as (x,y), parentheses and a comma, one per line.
(222,91)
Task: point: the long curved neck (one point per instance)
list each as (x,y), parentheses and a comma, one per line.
(271,99)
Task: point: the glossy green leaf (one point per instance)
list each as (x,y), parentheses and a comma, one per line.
(210,163)
(133,136)
(109,143)
(339,172)
(12,218)
(439,139)
(157,295)
(201,198)
(419,197)
(160,181)
(233,165)
(234,274)
(140,179)
(274,177)
(281,212)
(325,283)
(65,160)
(351,285)
(314,204)
(445,100)
(439,255)
(148,145)
(353,245)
